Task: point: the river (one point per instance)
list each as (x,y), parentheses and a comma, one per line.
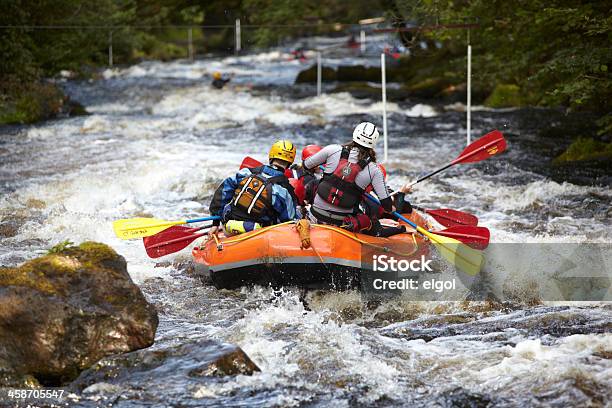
(158,141)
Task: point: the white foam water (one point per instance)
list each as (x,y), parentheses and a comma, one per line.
(163,152)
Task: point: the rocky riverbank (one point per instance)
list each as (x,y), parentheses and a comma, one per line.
(34,102)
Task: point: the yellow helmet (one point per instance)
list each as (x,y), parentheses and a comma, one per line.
(282,150)
(216,75)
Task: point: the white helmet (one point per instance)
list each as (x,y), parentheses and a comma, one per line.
(366,135)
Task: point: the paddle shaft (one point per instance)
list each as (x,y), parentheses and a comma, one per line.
(492,140)
(433,173)
(209,218)
(172,223)
(398,215)
(441,169)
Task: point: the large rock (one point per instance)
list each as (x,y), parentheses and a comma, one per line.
(364,90)
(310,75)
(358,73)
(61,313)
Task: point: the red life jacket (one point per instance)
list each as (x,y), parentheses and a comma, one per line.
(339,188)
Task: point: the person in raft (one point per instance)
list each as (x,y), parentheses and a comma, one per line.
(305,182)
(218,81)
(349,170)
(376,212)
(258,197)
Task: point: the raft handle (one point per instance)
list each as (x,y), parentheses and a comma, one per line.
(219,245)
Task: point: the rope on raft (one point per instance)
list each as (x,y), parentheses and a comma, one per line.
(328,227)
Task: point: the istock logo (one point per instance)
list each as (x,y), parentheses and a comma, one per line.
(384,263)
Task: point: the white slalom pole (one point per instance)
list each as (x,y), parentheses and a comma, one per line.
(190,43)
(238,42)
(469,94)
(319,74)
(362,40)
(384,103)
(110,49)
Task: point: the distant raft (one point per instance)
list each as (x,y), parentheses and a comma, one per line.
(274,256)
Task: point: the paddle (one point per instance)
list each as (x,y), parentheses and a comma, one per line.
(250,163)
(177,237)
(145,227)
(475,237)
(172,240)
(457,253)
(489,145)
(450,218)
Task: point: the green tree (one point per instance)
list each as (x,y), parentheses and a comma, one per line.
(556,51)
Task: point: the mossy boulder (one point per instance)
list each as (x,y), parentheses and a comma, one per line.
(62,312)
(583,149)
(310,75)
(505,96)
(428,88)
(365,90)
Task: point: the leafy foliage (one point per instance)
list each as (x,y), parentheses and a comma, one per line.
(585,149)
(61,247)
(556,51)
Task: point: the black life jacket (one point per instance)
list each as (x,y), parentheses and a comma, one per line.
(339,188)
(311,184)
(252,200)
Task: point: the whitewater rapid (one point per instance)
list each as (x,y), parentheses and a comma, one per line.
(159,140)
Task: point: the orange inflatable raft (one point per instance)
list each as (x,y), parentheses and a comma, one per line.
(274,256)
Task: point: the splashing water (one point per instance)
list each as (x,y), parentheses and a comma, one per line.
(158,142)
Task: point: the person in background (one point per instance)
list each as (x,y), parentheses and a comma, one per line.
(218,81)
(258,197)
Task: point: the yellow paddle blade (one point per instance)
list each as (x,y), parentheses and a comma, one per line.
(467,259)
(141,227)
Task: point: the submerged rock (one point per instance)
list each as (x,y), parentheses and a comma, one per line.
(310,75)
(358,73)
(557,321)
(61,313)
(174,364)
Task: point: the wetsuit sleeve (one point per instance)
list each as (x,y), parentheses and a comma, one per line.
(387,204)
(283,204)
(321,156)
(225,192)
(378,182)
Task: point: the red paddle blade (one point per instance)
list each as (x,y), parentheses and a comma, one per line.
(451,218)
(475,237)
(250,163)
(489,145)
(170,240)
